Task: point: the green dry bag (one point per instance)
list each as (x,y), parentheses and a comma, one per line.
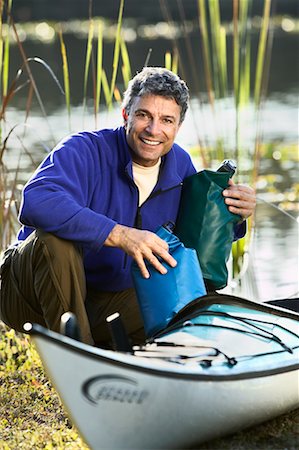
(205,224)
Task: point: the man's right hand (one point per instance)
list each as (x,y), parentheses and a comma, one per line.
(141,245)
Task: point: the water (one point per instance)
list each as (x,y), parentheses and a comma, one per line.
(274,254)
(271,266)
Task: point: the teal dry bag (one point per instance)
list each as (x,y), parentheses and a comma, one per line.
(205,224)
(160,297)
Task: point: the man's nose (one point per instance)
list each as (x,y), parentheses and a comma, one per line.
(153,126)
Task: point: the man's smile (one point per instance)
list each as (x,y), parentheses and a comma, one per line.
(150,142)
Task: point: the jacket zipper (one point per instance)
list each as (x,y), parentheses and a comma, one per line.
(138,218)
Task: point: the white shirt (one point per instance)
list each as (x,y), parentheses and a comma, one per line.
(145,179)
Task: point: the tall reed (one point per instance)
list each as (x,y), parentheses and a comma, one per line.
(126,65)
(87,59)
(206,46)
(116,52)
(172,60)
(99,70)
(1,40)
(6,53)
(66,77)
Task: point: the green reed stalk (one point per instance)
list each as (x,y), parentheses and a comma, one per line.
(206,50)
(236,76)
(66,77)
(215,37)
(87,60)
(236,48)
(223,61)
(244,96)
(106,88)
(167,60)
(99,68)
(5,73)
(1,38)
(245,47)
(116,51)
(175,61)
(261,52)
(126,66)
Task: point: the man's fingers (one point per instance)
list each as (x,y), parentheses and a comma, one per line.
(238,190)
(145,246)
(157,255)
(244,213)
(238,203)
(240,199)
(142,266)
(154,261)
(162,253)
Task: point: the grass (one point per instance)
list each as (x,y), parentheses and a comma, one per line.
(281,433)
(31,414)
(33,417)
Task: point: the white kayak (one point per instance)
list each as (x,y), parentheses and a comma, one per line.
(223,364)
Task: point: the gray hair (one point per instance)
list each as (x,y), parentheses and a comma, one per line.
(157,81)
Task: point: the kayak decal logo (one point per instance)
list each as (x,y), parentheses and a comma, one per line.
(113,388)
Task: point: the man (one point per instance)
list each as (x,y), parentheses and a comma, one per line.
(93,205)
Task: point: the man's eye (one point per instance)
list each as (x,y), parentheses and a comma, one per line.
(166,120)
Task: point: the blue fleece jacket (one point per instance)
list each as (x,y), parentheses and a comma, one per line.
(85,186)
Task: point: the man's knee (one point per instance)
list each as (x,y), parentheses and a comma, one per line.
(58,247)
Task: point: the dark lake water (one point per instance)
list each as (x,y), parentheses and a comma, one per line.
(273,257)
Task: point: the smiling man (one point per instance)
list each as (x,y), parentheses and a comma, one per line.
(93,205)
(151,128)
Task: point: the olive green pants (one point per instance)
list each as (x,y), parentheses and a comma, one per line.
(43,277)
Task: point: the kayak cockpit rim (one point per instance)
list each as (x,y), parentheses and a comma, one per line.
(129,360)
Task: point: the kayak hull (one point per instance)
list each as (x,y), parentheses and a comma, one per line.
(119,400)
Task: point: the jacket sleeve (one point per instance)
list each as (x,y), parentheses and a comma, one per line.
(240,230)
(56,199)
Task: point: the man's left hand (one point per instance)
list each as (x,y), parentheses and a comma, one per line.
(240,199)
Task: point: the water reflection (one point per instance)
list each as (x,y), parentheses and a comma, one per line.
(273,258)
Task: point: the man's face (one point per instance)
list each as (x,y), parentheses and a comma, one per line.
(151,128)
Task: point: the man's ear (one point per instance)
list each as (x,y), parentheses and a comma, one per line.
(125,116)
